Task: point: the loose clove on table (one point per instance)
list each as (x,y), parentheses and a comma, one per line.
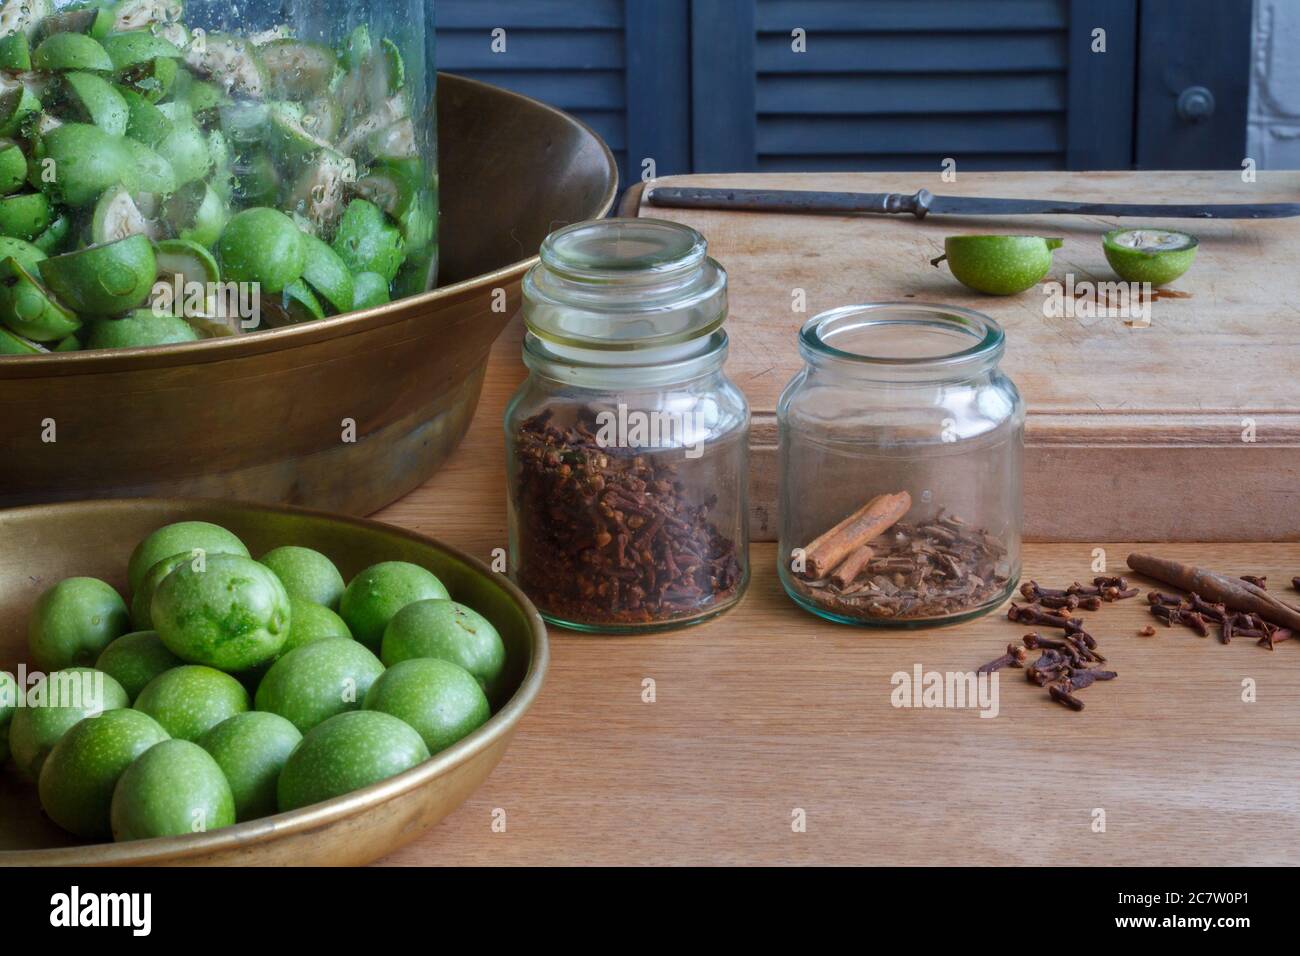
(1065,664)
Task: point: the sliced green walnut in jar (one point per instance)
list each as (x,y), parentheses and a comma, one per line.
(71,51)
(285,162)
(318,193)
(24,215)
(15,53)
(139,329)
(76,162)
(327,274)
(89,98)
(106,279)
(196,212)
(28,308)
(295,304)
(117,216)
(368,242)
(231,61)
(297,69)
(262,245)
(13,167)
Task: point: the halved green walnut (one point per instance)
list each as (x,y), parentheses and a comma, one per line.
(12,344)
(186,148)
(296,304)
(325,271)
(17,106)
(26,254)
(138,14)
(117,216)
(297,69)
(368,242)
(71,51)
(1158,256)
(231,61)
(89,98)
(23,16)
(83,161)
(145,122)
(53,239)
(24,215)
(318,192)
(29,309)
(188,261)
(288,138)
(369,289)
(13,167)
(93,21)
(262,245)
(204,100)
(15,53)
(196,212)
(153,173)
(139,329)
(135,47)
(153,79)
(105,279)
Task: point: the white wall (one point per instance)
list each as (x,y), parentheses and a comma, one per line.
(1273,131)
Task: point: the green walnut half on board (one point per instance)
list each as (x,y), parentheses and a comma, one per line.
(1158,256)
(998,265)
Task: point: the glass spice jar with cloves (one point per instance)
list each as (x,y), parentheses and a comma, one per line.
(627,445)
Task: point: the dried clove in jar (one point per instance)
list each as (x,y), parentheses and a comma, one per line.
(875,566)
(614,536)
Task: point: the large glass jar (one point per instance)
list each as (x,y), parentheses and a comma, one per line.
(627,447)
(258,164)
(900,467)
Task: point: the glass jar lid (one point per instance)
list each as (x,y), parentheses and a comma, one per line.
(621,285)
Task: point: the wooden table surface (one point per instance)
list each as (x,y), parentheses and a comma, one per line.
(1154,415)
(768,711)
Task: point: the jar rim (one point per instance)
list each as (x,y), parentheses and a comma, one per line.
(985,336)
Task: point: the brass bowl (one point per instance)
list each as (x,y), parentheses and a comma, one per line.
(46,543)
(269,416)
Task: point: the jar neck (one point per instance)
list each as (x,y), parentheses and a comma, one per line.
(599,369)
(902,343)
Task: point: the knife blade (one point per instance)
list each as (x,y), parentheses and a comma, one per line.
(923,203)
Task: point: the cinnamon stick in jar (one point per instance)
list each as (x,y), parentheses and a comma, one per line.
(1218,588)
(852,566)
(872,519)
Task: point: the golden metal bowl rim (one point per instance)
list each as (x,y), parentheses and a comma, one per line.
(318,815)
(272,340)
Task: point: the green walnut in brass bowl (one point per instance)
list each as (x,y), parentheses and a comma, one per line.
(350,773)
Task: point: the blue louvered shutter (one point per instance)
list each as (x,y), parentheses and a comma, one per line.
(904,84)
(570,55)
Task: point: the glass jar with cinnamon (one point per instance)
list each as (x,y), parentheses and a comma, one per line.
(627,449)
(900,451)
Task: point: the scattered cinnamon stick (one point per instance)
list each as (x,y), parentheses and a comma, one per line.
(1218,588)
(871,520)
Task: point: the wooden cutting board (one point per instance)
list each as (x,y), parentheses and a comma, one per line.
(1188,429)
